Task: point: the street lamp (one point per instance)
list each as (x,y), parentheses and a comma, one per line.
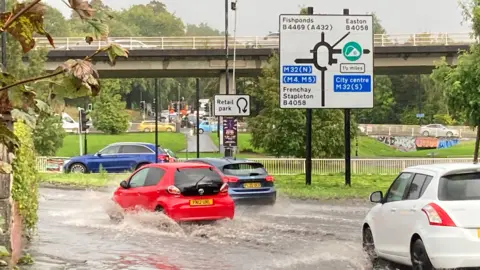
(234,8)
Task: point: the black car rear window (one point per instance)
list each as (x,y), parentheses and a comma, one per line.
(191,176)
(244,169)
(459,187)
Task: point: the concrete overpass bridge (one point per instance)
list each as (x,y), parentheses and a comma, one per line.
(205,56)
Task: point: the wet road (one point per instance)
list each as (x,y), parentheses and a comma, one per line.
(75,233)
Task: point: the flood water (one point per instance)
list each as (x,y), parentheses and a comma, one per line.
(74,232)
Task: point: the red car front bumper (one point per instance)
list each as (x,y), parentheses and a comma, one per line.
(179,209)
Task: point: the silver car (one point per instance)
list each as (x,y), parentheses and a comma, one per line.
(437,130)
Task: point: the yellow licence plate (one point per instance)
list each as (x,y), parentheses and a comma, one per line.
(201,202)
(252,185)
(478,232)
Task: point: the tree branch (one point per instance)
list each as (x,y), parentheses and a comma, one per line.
(17,15)
(33,79)
(28,80)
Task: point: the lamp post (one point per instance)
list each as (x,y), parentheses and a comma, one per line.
(234,8)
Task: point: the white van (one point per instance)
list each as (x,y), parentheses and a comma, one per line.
(69,124)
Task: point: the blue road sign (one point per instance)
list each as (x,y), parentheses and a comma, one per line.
(297,69)
(420,115)
(299,79)
(352,83)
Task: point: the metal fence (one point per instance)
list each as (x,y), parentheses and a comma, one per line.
(293,166)
(218,42)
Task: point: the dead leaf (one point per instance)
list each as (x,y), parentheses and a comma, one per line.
(83,8)
(38,8)
(24,27)
(89,39)
(8,138)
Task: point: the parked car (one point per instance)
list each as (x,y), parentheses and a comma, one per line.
(207,126)
(247,180)
(68,124)
(182,191)
(437,130)
(149,126)
(428,218)
(116,158)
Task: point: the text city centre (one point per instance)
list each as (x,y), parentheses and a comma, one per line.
(352,80)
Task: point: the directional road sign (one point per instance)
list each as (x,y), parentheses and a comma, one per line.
(232,105)
(326,61)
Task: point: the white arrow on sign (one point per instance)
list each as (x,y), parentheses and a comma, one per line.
(231,105)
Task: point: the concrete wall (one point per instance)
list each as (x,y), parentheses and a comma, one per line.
(410,143)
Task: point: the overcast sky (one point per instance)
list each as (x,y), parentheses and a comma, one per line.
(258,17)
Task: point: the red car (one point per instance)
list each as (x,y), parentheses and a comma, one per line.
(183,191)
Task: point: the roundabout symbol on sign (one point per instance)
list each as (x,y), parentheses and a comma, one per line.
(352,51)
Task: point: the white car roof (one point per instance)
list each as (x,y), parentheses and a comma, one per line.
(446,168)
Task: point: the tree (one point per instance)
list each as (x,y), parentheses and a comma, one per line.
(74,78)
(109,113)
(48,134)
(461,82)
(280,132)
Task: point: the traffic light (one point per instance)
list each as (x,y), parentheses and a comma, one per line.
(83,120)
(207,107)
(90,107)
(175,107)
(154,105)
(142,105)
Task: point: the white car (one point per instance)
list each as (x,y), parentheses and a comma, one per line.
(429,218)
(437,130)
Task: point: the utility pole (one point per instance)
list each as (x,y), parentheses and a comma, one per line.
(3,8)
(197,105)
(155,102)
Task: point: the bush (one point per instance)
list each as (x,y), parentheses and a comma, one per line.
(109,114)
(48,135)
(25,183)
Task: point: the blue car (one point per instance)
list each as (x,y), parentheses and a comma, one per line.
(206,126)
(116,158)
(248,180)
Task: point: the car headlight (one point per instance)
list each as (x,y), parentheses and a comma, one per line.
(65,162)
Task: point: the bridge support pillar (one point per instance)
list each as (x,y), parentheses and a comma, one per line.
(223,91)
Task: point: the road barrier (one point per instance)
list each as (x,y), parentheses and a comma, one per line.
(294,166)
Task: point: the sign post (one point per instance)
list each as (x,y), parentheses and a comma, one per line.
(230,107)
(326,62)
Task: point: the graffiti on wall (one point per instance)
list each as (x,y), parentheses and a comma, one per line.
(402,143)
(409,143)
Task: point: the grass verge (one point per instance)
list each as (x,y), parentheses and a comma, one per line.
(323,187)
(82,180)
(332,187)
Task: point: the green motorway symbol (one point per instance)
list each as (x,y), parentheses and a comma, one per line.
(352,51)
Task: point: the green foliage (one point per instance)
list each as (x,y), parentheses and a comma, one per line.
(109,113)
(48,134)
(25,184)
(382,105)
(281,132)
(443,119)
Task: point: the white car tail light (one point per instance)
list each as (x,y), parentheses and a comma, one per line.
(173,190)
(437,216)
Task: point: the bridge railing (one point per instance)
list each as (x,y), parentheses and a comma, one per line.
(218,42)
